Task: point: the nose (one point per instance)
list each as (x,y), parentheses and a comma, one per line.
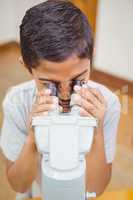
(64,94)
(64,90)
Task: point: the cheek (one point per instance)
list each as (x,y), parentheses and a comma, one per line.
(87,77)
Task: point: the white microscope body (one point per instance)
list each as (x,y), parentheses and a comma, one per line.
(63,141)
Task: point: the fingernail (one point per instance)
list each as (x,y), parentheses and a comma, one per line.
(77,87)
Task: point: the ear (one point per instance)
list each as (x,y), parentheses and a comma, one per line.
(20,59)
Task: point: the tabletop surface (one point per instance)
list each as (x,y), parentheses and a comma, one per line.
(115,195)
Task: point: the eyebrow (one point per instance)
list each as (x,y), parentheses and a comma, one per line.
(78,75)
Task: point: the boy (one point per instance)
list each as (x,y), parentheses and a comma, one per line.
(57,45)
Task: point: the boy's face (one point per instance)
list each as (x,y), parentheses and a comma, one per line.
(62,73)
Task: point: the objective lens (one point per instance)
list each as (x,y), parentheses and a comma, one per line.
(78,82)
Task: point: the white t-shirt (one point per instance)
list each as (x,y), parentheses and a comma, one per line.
(17,106)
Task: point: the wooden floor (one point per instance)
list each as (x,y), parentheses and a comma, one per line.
(11,73)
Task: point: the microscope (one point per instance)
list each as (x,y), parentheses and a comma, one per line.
(63,138)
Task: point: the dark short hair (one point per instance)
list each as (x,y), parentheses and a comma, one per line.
(54,30)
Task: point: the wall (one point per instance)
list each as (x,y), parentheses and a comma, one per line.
(114,42)
(20,8)
(6,21)
(89,7)
(11,14)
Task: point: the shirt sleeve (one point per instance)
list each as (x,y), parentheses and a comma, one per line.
(13,133)
(111,123)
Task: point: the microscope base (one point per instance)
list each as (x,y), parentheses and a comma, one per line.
(63,189)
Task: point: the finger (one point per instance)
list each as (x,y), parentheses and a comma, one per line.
(45,92)
(86,94)
(89,107)
(97,94)
(84,113)
(43,108)
(47,100)
(40,114)
(94,91)
(44,98)
(41,99)
(39,95)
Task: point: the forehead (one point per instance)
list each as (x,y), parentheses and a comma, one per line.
(62,71)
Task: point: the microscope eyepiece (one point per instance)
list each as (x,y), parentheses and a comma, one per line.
(63,91)
(52,87)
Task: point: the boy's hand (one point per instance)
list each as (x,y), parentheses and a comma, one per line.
(43,104)
(92,103)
